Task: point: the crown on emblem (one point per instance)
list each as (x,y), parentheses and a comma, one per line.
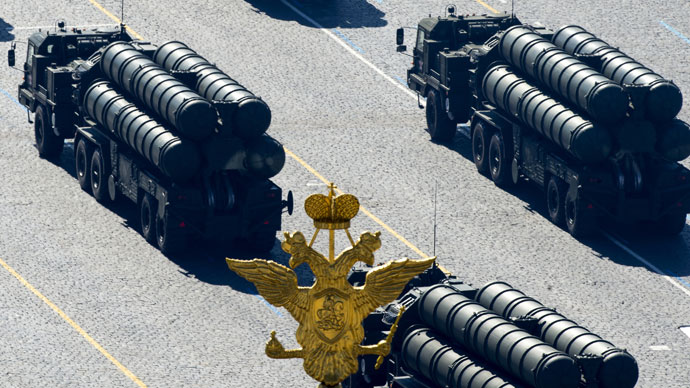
(331,212)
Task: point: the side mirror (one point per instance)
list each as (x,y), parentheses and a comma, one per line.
(399,36)
(289,203)
(402,48)
(10,57)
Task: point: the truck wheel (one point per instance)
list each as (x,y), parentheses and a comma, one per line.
(170,237)
(82,157)
(480,148)
(147,217)
(99,177)
(499,165)
(441,128)
(579,219)
(555,199)
(49,145)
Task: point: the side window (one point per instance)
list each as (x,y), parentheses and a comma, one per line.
(420,40)
(30,53)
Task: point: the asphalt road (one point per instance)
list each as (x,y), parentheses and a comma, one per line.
(334,84)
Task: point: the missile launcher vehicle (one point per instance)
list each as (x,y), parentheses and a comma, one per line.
(595,129)
(451,334)
(193,156)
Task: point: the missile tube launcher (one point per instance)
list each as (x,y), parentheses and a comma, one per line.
(592,127)
(141,133)
(454,335)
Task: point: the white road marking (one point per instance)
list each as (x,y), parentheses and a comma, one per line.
(685,330)
(350,49)
(648,264)
(414,95)
(659,347)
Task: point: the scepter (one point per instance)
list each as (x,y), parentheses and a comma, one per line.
(391,333)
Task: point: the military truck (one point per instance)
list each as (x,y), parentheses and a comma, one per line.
(592,127)
(454,335)
(195,159)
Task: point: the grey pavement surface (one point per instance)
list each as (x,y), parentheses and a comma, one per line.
(190,322)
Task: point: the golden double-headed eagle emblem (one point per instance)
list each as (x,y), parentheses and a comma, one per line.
(330,312)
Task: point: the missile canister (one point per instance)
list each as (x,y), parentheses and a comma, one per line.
(424,352)
(618,368)
(177,158)
(603,99)
(673,140)
(190,114)
(497,340)
(664,100)
(265,156)
(251,117)
(586,141)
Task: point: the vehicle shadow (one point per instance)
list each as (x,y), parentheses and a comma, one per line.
(328,13)
(6,34)
(206,262)
(669,254)
(203,260)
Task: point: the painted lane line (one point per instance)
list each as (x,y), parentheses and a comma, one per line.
(465,130)
(685,330)
(648,264)
(487,6)
(659,347)
(406,90)
(348,41)
(674,31)
(347,47)
(49,27)
(402,81)
(74,325)
(292,154)
(115,18)
(3,91)
(678,278)
(363,209)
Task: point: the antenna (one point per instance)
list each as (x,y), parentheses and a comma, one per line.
(435,195)
(512,9)
(122,11)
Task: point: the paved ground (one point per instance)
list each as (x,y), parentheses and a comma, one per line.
(331,79)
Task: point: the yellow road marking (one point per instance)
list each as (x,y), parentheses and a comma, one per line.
(487,6)
(302,162)
(363,209)
(115,18)
(74,325)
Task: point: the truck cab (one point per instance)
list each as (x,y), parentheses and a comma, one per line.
(47,86)
(442,56)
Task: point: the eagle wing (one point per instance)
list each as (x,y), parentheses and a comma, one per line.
(385,283)
(275,282)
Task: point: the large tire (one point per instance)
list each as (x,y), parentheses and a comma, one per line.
(171,238)
(147,217)
(580,219)
(99,177)
(49,145)
(499,163)
(82,164)
(441,128)
(555,199)
(480,147)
